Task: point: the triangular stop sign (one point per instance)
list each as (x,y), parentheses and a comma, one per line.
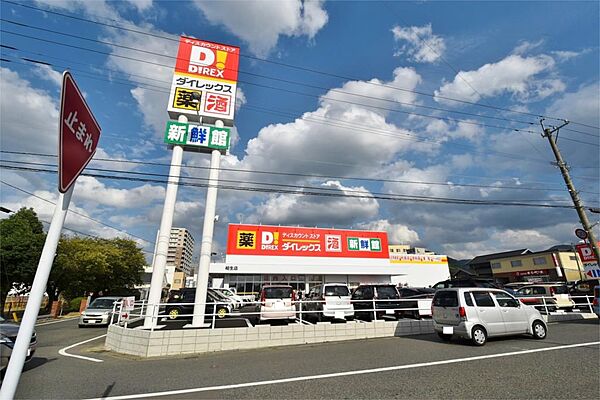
(79,134)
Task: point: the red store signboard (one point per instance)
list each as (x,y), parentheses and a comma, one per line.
(207,59)
(264,240)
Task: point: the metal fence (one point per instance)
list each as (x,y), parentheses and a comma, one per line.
(306,310)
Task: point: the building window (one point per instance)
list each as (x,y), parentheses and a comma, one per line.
(572,258)
(516,263)
(539,260)
(496,265)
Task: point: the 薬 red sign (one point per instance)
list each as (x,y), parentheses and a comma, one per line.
(207,59)
(79,134)
(264,240)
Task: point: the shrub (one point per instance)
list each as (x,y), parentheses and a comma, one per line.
(75,304)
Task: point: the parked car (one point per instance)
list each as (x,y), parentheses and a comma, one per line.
(480,313)
(384,297)
(582,292)
(99,311)
(329,300)
(239,301)
(467,282)
(223,298)
(421,306)
(277,302)
(550,296)
(8,337)
(596,303)
(183,304)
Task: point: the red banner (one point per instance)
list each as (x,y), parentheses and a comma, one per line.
(264,240)
(208,59)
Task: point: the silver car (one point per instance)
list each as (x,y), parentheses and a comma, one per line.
(477,313)
(99,311)
(8,337)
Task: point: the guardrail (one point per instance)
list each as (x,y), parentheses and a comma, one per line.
(304,310)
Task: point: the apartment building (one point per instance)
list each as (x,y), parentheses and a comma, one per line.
(181,249)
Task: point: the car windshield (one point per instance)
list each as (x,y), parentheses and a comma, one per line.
(278,292)
(102,303)
(218,294)
(337,291)
(387,292)
(560,289)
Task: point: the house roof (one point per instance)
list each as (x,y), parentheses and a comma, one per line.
(487,257)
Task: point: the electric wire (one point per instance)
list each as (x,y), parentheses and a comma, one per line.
(390,197)
(301,175)
(75,212)
(267,77)
(320,72)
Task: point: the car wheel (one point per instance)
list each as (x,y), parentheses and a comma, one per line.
(174,313)
(478,336)
(539,330)
(81,326)
(444,336)
(415,314)
(221,313)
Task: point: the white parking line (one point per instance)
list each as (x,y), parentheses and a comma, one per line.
(56,322)
(340,374)
(63,351)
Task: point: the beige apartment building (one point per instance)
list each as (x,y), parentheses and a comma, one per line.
(181,248)
(557,264)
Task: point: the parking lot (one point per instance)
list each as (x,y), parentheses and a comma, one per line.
(565,365)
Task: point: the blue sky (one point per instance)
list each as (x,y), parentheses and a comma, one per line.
(369,114)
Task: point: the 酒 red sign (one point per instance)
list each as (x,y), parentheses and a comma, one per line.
(78,134)
(264,240)
(208,59)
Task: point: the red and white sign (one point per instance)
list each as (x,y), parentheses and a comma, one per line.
(207,59)
(79,134)
(585,252)
(264,240)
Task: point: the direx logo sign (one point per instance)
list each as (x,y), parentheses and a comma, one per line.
(202,58)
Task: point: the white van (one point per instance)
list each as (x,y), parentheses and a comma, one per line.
(478,313)
(330,300)
(277,302)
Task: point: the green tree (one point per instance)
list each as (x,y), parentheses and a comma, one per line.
(21,241)
(92,264)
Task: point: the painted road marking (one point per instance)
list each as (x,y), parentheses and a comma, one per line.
(63,351)
(56,322)
(340,374)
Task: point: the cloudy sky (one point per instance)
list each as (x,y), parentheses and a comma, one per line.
(393,114)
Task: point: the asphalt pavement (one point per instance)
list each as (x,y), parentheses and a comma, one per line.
(421,367)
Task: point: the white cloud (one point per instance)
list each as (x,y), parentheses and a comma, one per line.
(95,8)
(515,75)
(260,24)
(47,73)
(582,105)
(422,45)
(35,107)
(397,233)
(315,210)
(90,189)
(526,46)
(562,56)
(141,5)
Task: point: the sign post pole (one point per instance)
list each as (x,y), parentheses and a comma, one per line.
(19,352)
(164,232)
(207,238)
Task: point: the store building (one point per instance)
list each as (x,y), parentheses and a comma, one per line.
(557,264)
(304,257)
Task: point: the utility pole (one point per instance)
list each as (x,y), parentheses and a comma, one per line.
(564,169)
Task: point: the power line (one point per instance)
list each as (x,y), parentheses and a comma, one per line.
(278,173)
(390,197)
(320,72)
(268,77)
(296,92)
(75,212)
